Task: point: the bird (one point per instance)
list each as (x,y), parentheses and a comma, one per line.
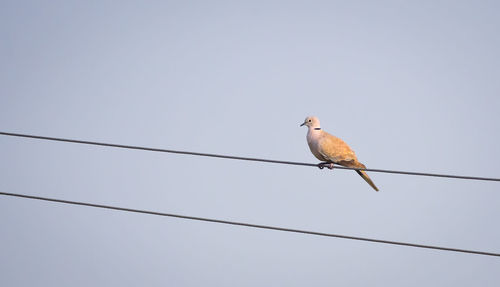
(332,150)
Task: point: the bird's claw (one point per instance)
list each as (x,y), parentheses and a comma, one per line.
(329,165)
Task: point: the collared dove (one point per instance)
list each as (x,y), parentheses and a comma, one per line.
(331,149)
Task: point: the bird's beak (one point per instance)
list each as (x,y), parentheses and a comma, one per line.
(303,123)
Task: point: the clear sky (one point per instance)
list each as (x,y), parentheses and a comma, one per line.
(409,85)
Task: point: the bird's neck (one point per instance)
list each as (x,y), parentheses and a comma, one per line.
(313,132)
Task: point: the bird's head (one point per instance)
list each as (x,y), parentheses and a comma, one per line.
(311,121)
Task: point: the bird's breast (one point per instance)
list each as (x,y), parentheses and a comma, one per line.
(313,143)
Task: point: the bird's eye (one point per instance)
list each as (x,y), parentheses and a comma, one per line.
(309,120)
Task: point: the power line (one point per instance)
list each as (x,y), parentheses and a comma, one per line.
(240,157)
(249,224)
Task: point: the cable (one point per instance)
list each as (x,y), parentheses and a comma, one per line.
(241,158)
(249,224)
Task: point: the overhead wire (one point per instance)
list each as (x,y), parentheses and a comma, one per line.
(242,223)
(259,226)
(133,147)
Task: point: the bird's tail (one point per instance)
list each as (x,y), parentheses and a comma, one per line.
(367,179)
(362,173)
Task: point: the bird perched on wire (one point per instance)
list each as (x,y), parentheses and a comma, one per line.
(332,150)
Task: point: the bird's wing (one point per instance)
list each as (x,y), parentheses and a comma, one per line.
(335,149)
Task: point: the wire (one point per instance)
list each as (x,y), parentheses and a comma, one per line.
(241,158)
(249,224)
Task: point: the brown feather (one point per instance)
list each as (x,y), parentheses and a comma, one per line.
(362,173)
(329,148)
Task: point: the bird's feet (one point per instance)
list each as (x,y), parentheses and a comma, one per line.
(329,165)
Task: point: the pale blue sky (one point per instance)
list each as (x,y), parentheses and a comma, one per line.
(409,85)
